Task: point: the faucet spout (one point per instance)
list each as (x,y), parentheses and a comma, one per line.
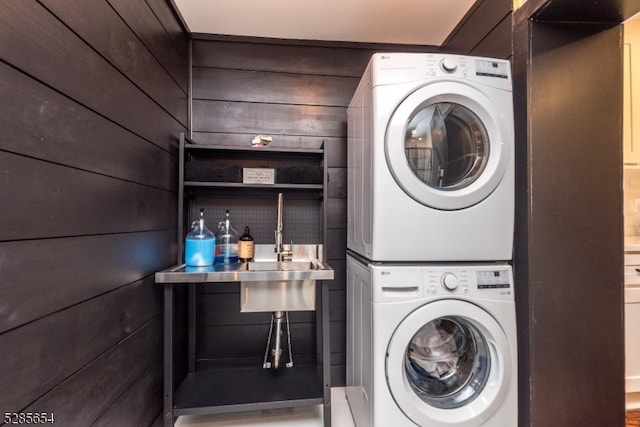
(279,227)
(281,253)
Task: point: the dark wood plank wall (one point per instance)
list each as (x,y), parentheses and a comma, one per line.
(486,30)
(94,96)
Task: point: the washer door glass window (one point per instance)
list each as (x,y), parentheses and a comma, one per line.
(447,362)
(446,145)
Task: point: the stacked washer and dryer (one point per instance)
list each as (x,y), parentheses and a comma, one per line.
(431,327)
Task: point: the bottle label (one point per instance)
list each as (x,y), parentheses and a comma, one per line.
(245,250)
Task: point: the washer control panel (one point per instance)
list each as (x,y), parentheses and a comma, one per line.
(396,282)
(490,281)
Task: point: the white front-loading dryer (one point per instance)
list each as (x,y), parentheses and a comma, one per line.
(431,159)
(431,345)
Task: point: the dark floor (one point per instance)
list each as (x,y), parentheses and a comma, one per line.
(633,418)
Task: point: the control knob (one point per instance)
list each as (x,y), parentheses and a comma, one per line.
(449,65)
(449,281)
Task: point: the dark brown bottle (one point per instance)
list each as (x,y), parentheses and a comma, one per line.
(245,246)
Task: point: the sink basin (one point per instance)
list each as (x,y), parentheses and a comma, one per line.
(284,265)
(283,285)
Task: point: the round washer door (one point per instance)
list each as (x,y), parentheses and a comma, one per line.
(449,362)
(448,145)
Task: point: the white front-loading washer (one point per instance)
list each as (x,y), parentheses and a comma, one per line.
(431,159)
(431,345)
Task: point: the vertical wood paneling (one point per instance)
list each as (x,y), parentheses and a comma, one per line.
(94,96)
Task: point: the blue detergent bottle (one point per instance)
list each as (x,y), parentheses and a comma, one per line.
(200,243)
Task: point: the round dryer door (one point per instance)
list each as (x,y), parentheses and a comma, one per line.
(448,145)
(449,362)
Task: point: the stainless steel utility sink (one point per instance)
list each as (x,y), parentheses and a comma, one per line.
(283,285)
(265,283)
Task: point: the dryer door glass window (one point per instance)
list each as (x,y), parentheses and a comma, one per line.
(446,145)
(447,362)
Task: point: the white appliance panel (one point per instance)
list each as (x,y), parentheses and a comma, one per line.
(392,214)
(405,298)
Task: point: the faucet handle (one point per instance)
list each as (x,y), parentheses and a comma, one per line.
(287,252)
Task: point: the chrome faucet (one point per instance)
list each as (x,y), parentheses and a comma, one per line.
(279,316)
(282,254)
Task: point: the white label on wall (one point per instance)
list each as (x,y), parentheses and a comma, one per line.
(258,176)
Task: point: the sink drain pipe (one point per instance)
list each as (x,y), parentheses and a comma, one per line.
(275,335)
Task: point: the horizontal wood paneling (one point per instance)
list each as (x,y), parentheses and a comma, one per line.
(336,213)
(271,87)
(39,277)
(240,341)
(284,58)
(140,404)
(40,355)
(336,152)
(120,46)
(96,386)
(167,47)
(498,43)
(94,97)
(60,201)
(57,57)
(269,119)
(41,123)
(480,24)
(171,24)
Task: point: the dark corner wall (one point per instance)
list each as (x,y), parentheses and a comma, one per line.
(569,251)
(94,94)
